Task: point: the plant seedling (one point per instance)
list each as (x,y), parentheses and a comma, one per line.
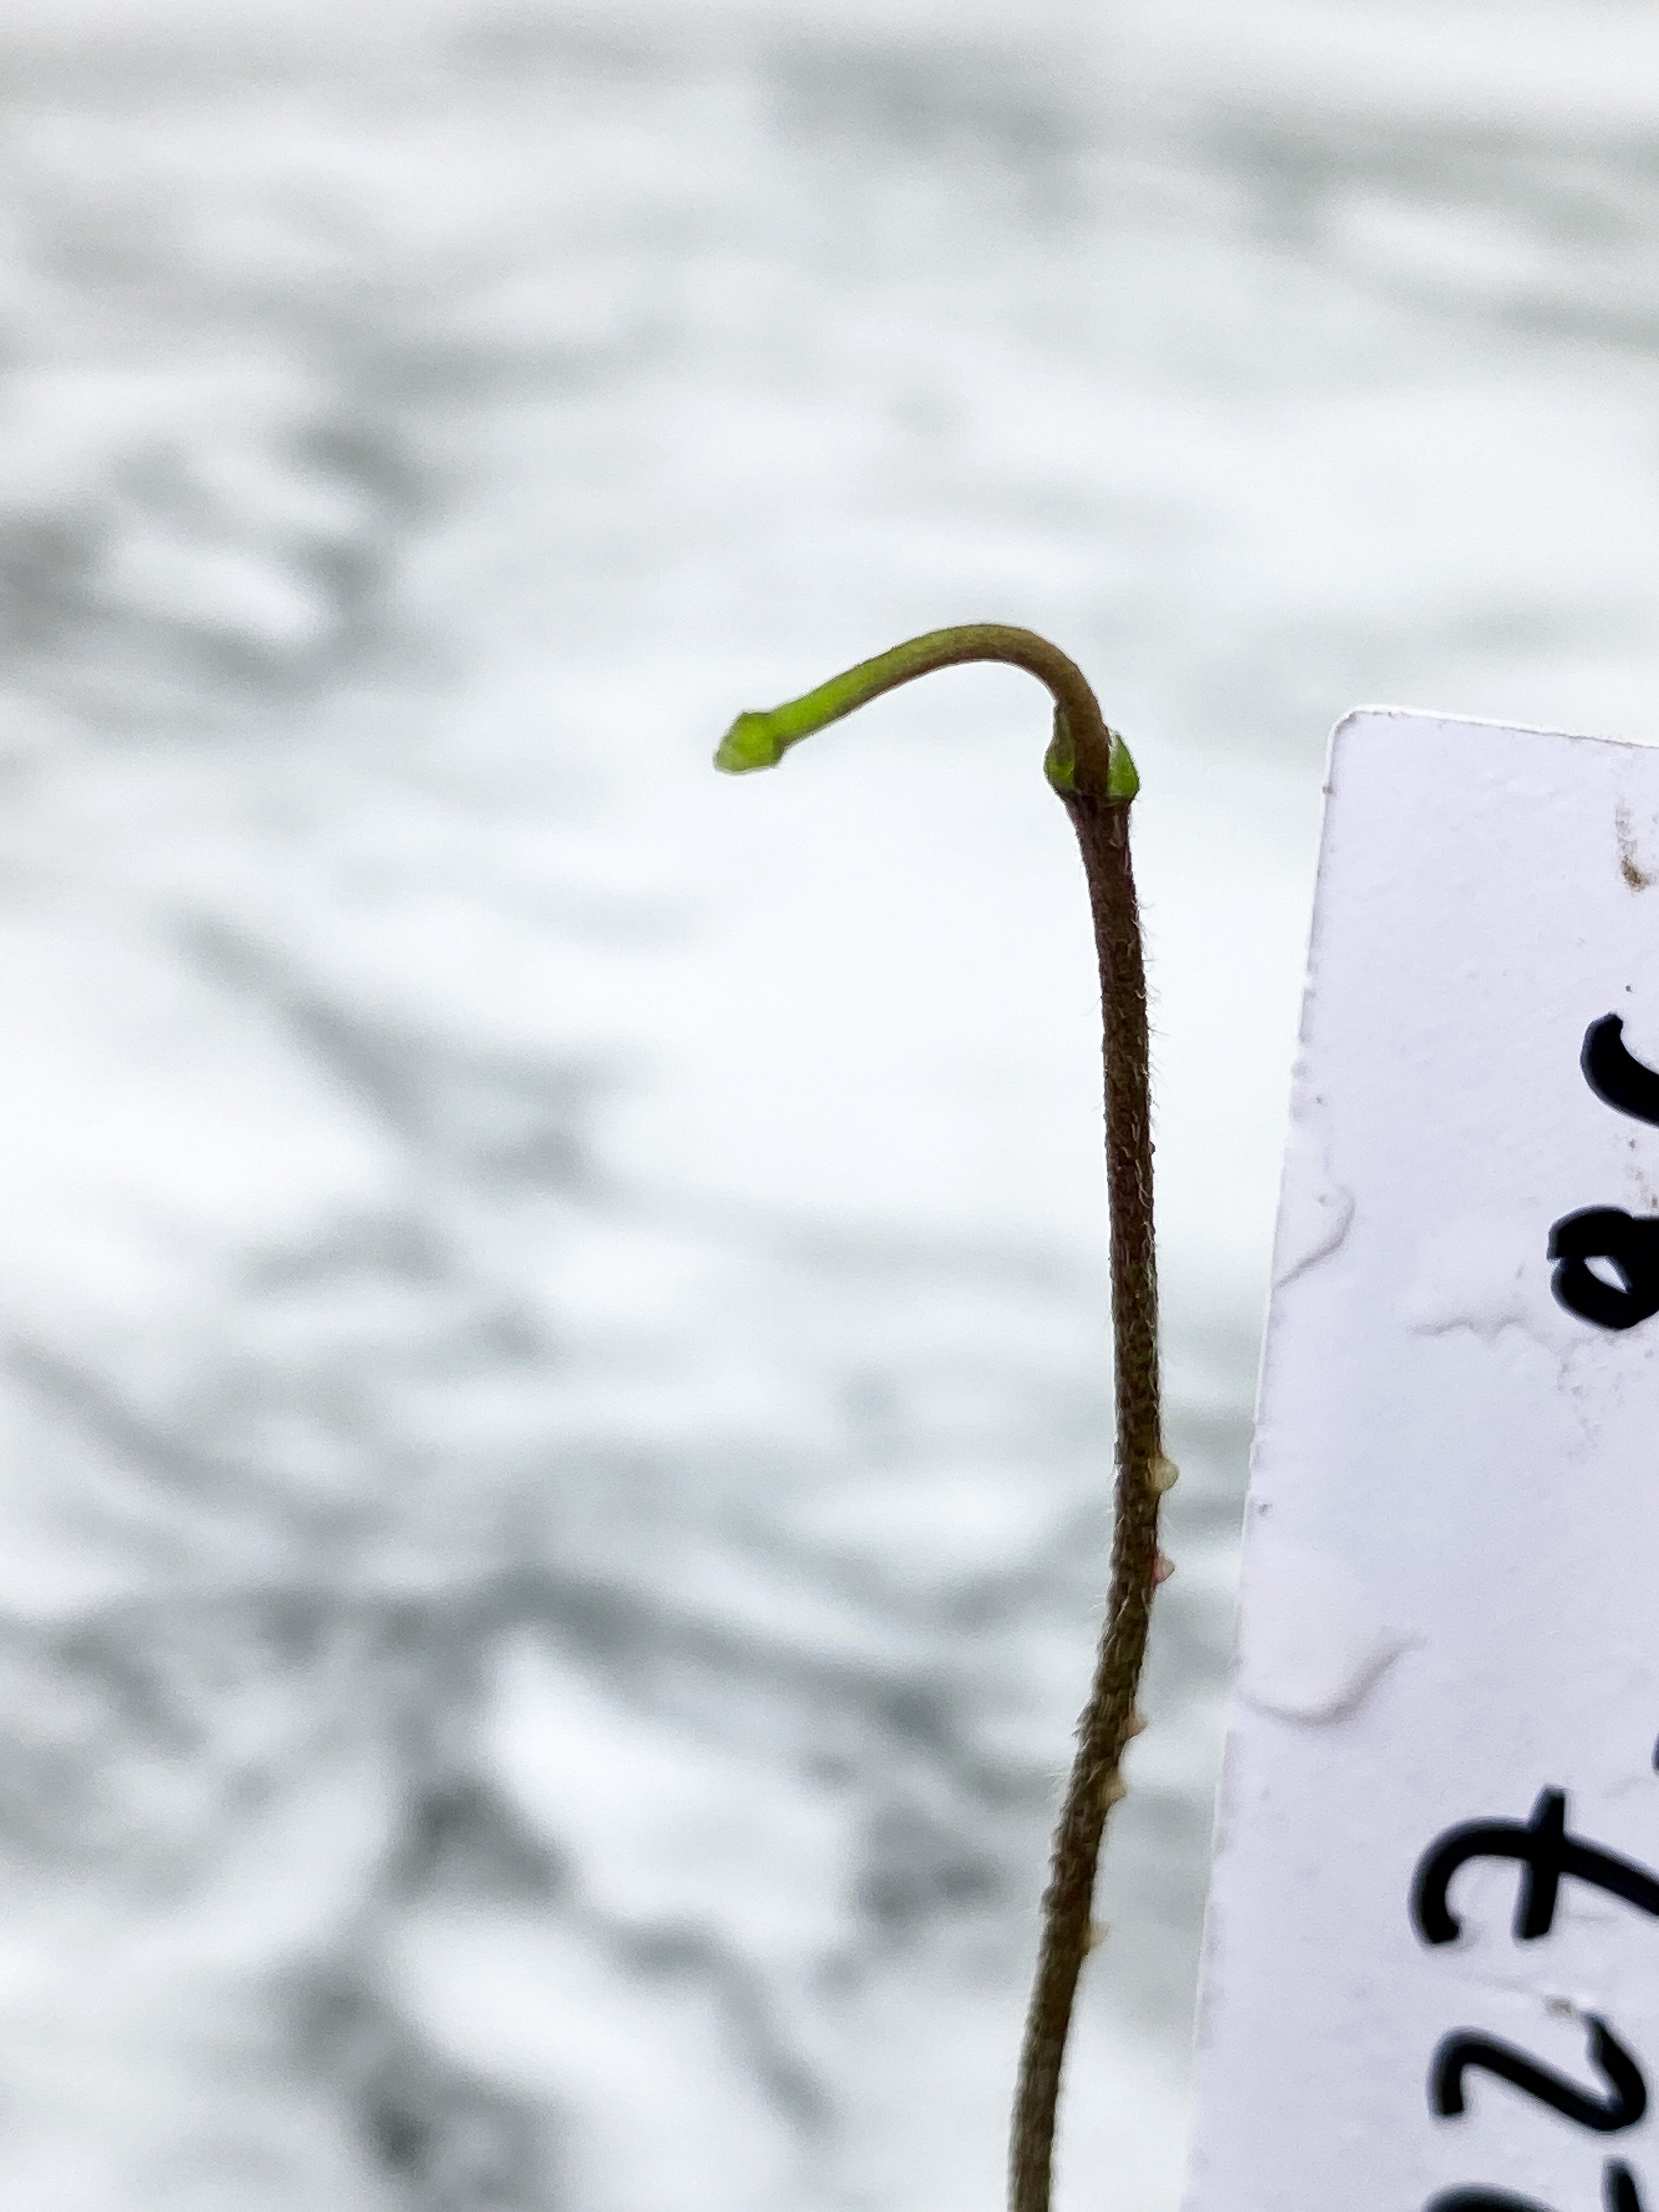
(1090,767)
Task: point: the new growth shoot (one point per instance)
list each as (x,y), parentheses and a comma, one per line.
(1083,755)
(1090,767)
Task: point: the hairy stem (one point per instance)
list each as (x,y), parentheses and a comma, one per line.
(1108,1719)
(1090,767)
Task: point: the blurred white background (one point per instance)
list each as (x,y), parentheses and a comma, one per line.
(557,1395)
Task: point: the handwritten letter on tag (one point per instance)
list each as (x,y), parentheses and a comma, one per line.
(1432,1973)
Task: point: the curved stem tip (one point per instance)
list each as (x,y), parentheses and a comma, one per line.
(1090,767)
(1083,756)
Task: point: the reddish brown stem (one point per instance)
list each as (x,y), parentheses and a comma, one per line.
(1090,767)
(1108,1721)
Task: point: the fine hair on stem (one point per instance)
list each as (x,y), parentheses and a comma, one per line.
(1090,767)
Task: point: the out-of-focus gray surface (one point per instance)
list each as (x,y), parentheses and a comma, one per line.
(556,1408)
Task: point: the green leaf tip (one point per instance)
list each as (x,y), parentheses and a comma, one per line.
(752,742)
(1084,758)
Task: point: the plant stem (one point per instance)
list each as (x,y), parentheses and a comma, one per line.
(1084,756)
(1090,767)
(1109,1718)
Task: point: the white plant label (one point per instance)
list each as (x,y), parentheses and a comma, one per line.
(1431,1977)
